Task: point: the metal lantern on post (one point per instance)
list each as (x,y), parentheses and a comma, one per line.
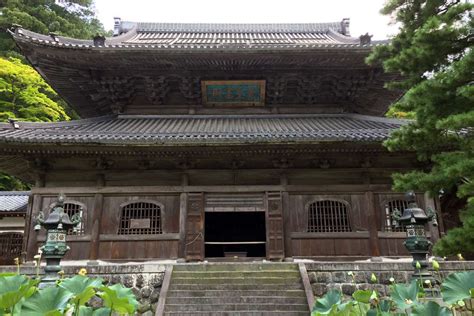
(414,220)
(57,225)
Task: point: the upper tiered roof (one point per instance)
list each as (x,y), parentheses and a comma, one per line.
(159,68)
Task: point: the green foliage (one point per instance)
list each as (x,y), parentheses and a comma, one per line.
(119,298)
(24,95)
(14,288)
(75,18)
(433,56)
(457,287)
(19,295)
(431,309)
(404,299)
(324,305)
(50,301)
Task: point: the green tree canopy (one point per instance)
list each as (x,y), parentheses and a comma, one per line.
(433,54)
(74,18)
(24,94)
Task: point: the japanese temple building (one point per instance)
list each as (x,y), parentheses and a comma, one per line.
(215,140)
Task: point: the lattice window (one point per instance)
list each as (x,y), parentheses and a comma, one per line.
(71,209)
(10,245)
(328,216)
(389,208)
(140,218)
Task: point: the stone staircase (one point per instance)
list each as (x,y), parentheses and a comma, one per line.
(236,289)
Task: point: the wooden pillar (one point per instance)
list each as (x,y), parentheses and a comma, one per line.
(31,238)
(96,219)
(26,229)
(285,196)
(373,220)
(183,211)
(430,203)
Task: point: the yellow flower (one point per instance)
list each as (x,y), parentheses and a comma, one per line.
(435,265)
(460,257)
(82,271)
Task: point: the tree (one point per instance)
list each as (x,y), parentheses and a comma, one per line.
(432,54)
(74,18)
(24,94)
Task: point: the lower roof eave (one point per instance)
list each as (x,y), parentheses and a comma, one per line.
(51,148)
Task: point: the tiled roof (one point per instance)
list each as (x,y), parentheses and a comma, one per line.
(197,36)
(200,129)
(13,201)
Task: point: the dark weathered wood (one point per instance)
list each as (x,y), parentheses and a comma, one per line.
(195,227)
(31,240)
(113,237)
(160,309)
(95,227)
(183,213)
(274,224)
(374,219)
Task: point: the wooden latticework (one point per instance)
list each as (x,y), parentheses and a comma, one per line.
(328,216)
(140,218)
(10,246)
(389,208)
(71,209)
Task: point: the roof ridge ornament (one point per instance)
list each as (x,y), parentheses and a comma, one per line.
(99,40)
(365,39)
(345,26)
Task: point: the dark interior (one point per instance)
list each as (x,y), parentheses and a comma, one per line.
(242,227)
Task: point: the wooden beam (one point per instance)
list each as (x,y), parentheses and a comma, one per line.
(339,235)
(95,226)
(127,190)
(159,237)
(31,234)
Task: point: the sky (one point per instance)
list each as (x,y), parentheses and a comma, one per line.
(364,14)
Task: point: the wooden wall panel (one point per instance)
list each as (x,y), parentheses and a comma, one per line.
(326,247)
(138,250)
(111,212)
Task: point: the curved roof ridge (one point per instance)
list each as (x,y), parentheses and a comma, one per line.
(26,124)
(236,27)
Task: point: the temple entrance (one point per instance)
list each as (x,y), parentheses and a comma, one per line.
(235,234)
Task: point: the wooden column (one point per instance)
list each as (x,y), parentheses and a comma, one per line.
(31,235)
(374,220)
(285,199)
(96,219)
(183,213)
(430,203)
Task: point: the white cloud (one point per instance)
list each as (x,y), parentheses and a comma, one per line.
(364,15)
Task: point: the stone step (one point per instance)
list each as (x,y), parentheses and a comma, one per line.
(235,287)
(239,313)
(236,307)
(237,299)
(235,274)
(236,280)
(232,293)
(267,266)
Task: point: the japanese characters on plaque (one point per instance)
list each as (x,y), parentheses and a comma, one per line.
(234,93)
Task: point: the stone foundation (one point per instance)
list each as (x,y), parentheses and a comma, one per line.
(144,279)
(325,276)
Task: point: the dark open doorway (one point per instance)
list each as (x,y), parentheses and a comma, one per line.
(230,234)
